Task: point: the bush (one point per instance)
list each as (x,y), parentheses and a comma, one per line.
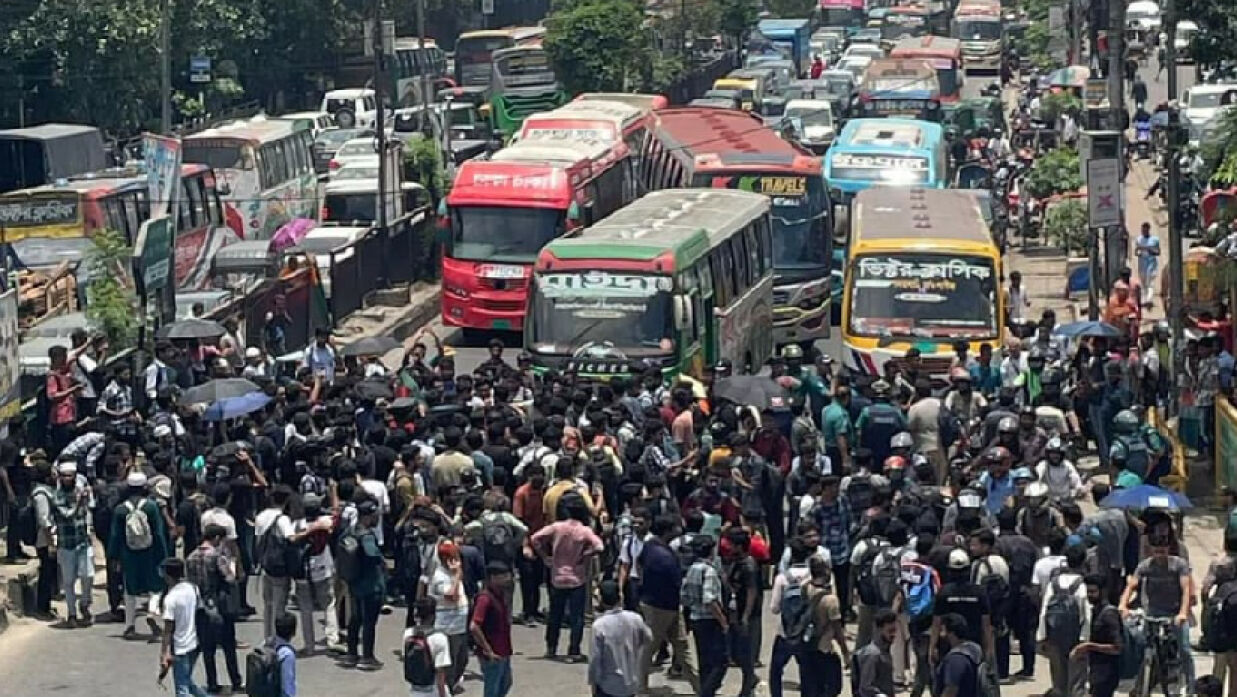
(1054,172)
(1065,225)
(1058,104)
(110,302)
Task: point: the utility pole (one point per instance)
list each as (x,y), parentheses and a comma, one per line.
(1075,32)
(1116,64)
(165,67)
(1176,266)
(426,97)
(379,48)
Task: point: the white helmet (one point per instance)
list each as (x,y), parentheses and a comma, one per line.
(901,440)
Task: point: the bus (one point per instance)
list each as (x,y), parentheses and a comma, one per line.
(977,24)
(38,155)
(888,152)
(500,212)
(945,57)
(841,13)
(731,149)
(923,273)
(645,102)
(267,168)
(680,279)
(522,83)
(900,87)
(474,51)
(411,69)
(610,122)
(791,38)
(56,222)
(919,19)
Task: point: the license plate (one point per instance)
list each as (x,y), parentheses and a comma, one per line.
(502,324)
(501,271)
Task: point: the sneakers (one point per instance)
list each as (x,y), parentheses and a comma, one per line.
(155,629)
(348,660)
(576,658)
(87,618)
(369,664)
(130,634)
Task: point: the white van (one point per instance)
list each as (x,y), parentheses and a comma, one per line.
(351,108)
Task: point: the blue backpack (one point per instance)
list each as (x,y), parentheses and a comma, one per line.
(920,584)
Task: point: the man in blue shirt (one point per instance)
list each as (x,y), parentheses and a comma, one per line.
(833,516)
(986,373)
(285,629)
(662,576)
(996,483)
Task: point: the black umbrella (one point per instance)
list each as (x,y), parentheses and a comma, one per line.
(373,389)
(752,390)
(192,328)
(370,346)
(215,390)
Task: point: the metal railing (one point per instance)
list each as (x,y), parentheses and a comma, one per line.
(403,253)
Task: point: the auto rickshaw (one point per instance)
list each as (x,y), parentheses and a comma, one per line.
(978,112)
(1136,42)
(972,175)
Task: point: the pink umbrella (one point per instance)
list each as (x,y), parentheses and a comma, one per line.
(291,233)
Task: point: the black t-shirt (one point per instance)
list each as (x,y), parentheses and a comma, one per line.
(743,579)
(960,670)
(1105,629)
(968,600)
(189,517)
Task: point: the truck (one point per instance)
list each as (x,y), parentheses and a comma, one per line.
(791,37)
(977,24)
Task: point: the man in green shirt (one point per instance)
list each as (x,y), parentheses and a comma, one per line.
(837,431)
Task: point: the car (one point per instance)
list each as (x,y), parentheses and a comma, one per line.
(868,50)
(351,108)
(815,122)
(355,149)
(1186,30)
(1144,14)
(360,168)
(327,143)
(855,65)
(316,121)
(1202,102)
(322,241)
(866,36)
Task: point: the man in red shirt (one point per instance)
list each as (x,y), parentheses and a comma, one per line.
(62,392)
(527,505)
(491,630)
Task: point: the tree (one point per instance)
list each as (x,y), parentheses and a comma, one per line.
(1065,225)
(597,46)
(790,9)
(737,17)
(111,303)
(1216,40)
(1219,150)
(1055,172)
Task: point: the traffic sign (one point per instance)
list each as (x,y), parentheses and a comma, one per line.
(152,254)
(1103,192)
(487,7)
(199,69)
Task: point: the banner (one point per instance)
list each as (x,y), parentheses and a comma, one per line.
(1226,443)
(162,157)
(10,376)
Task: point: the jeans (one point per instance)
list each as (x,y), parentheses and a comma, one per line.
(1069,675)
(75,565)
(782,653)
(1099,429)
(864,625)
(711,645)
(497,677)
(820,674)
(572,600)
(532,575)
(667,626)
(46,587)
(215,637)
(13,532)
(458,645)
(182,675)
(362,622)
(923,669)
(275,592)
(318,596)
(740,640)
(841,583)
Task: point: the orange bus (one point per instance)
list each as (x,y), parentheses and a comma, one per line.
(945,57)
(502,211)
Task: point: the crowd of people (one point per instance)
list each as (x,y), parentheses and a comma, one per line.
(912,533)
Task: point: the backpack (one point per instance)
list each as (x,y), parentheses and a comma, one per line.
(138,535)
(1062,615)
(920,584)
(802,630)
(497,539)
(1220,618)
(948,426)
(859,492)
(1133,648)
(866,581)
(887,574)
(419,661)
(792,603)
(263,672)
(986,684)
(277,554)
(997,590)
(348,557)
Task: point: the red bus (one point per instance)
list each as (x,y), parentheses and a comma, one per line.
(943,54)
(502,211)
(732,149)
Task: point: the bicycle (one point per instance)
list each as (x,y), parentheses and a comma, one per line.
(1162,659)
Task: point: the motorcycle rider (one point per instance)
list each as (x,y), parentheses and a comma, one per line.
(1039,518)
(903,445)
(1059,474)
(962,400)
(1030,381)
(996,483)
(1006,435)
(1006,406)
(1054,412)
(880,422)
(1031,438)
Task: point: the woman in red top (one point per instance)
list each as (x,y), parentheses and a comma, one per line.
(62,392)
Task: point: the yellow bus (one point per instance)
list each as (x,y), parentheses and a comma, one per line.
(923,272)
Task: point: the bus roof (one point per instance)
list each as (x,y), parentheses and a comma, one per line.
(515,184)
(561,152)
(780,25)
(890,216)
(46,131)
(106,182)
(255,130)
(645,102)
(617,112)
(889,134)
(684,222)
(728,138)
(926,47)
(513,33)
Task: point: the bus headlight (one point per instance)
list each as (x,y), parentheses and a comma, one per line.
(455,290)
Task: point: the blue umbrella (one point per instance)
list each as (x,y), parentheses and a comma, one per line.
(1146,496)
(1074,330)
(232,407)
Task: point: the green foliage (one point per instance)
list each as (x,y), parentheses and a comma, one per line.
(597,46)
(1055,172)
(423,159)
(1035,44)
(1216,39)
(109,302)
(1058,104)
(1065,225)
(736,18)
(1219,150)
(790,9)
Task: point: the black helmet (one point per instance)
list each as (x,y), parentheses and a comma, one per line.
(1052,376)
(1037,354)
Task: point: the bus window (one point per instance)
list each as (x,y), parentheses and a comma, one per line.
(743,278)
(756,260)
(765,230)
(196,201)
(723,274)
(689,287)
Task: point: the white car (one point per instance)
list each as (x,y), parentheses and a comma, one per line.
(1144,14)
(855,65)
(1202,102)
(351,108)
(317,121)
(359,168)
(1182,40)
(865,50)
(352,150)
(321,241)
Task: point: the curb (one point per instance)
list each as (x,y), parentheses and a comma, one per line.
(422,306)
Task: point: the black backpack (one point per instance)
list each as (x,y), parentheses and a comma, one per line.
(263,672)
(859,492)
(279,556)
(948,425)
(498,539)
(803,630)
(1220,618)
(997,590)
(348,555)
(419,661)
(865,578)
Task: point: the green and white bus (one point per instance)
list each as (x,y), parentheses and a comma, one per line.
(679,279)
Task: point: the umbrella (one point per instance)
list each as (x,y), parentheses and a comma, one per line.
(753,390)
(1146,496)
(1073,76)
(192,328)
(216,390)
(229,449)
(1074,330)
(232,407)
(291,233)
(370,346)
(373,389)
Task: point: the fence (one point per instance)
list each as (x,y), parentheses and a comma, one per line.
(701,78)
(403,253)
(295,304)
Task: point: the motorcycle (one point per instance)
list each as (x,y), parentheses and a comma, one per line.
(1142,138)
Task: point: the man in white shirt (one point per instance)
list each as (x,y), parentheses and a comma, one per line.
(159,375)
(1018,300)
(379,493)
(316,592)
(320,356)
(789,579)
(424,639)
(180,637)
(274,531)
(1069,672)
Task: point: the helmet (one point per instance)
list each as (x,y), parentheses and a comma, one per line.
(1007,424)
(1125,422)
(901,440)
(1052,376)
(881,389)
(792,351)
(895,462)
(1037,354)
(1022,473)
(1026,410)
(959,374)
(1037,490)
(723,367)
(970,499)
(1054,445)
(996,453)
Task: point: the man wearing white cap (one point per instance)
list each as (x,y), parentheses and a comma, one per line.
(256,365)
(138,542)
(74,551)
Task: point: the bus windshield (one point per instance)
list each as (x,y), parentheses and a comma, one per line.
(923,295)
(530,67)
(600,314)
(979,30)
(219,154)
(889,169)
(498,233)
(899,26)
(473,58)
